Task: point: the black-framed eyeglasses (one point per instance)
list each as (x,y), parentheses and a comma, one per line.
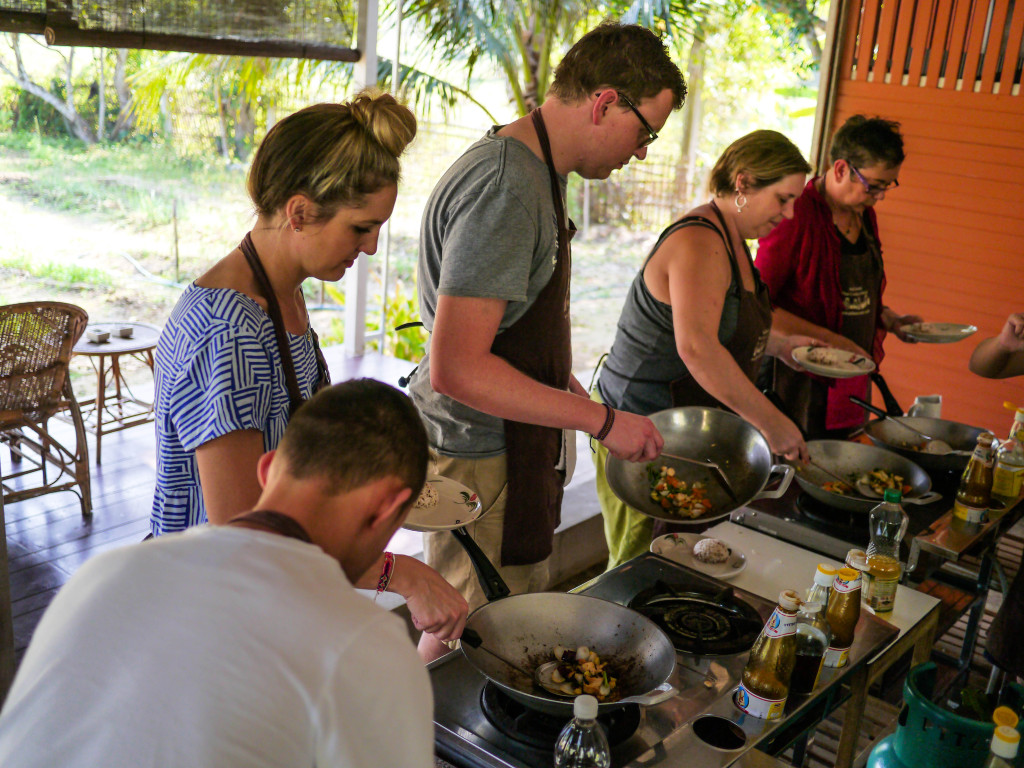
(643,121)
(877,188)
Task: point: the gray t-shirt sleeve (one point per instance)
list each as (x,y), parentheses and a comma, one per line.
(489,246)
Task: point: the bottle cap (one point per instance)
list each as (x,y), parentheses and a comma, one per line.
(585,707)
(1005,742)
(856,559)
(813,607)
(847,574)
(893,495)
(825,574)
(789,600)
(1005,716)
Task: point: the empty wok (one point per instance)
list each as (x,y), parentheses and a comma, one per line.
(961,437)
(525,629)
(703,433)
(846,458)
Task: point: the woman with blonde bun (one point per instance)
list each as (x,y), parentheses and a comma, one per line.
(238,354)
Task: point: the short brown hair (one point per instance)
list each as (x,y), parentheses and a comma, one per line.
(353,433)
(335,154)
(627,57)
(866,141)
(763,156)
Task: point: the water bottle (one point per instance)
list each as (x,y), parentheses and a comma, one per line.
(888,523)
(582,742)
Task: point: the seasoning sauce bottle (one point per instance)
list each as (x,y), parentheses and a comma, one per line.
(764,687)
(888,523)
(974,496)
(813,636)
(842,616)
(1008,475)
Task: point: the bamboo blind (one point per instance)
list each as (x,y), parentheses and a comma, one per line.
(953,232)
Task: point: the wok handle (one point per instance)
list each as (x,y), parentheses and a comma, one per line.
(785,474)
(868,406)
(490,580)
(663,692)
(925,498)
(891,405)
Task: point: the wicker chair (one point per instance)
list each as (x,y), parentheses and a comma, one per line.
(36,340)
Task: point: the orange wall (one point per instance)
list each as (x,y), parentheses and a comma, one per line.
(953,233)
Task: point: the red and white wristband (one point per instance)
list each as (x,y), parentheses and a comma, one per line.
(385,574)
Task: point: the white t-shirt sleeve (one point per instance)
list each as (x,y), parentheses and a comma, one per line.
(377,708)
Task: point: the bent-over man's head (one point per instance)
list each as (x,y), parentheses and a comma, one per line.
(362,448)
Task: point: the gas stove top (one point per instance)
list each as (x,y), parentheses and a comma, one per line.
(474,728)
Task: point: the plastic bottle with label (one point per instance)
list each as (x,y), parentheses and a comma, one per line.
(822,586)
(582,742)
(887,525)
(858,560)
(1008,475)
(1003,750)
(764,687)
(974,496)
(813,636)
(842,616)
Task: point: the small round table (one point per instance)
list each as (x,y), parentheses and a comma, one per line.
(115,407)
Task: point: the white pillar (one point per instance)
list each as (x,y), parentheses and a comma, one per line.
(356,277)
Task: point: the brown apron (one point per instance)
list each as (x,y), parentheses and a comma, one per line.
(753,325)
(539,345)
(283,350)
(272,521)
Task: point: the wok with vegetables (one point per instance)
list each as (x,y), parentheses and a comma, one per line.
(880,469)
(581,670)
(675,495)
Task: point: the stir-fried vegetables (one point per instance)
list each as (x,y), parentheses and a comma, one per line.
(580,671)
(834,486)
(675,495)
(880,480)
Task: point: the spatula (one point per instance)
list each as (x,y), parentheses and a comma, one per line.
(716,471)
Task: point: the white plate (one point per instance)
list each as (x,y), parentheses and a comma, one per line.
(848,365)
(679,548)
(456,506)
(939,333)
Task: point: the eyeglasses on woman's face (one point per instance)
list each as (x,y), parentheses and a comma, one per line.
(652,134)
(872,186)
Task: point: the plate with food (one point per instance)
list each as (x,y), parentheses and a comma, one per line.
(833,363)
(939,333)
(443,504)
(709,555)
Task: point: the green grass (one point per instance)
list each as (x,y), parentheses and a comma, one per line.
(59,273)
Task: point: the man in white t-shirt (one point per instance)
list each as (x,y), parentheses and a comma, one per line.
(245,644)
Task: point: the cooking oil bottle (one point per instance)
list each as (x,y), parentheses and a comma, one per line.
(974,496)
(887,522)
(1008,475)
(842,616)
(764,687)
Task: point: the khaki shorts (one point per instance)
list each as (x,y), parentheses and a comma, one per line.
(445,554)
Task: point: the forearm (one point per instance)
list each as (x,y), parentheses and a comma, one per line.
(993,360)
(493,386)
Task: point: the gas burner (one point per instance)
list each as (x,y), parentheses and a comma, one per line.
(706,624)
(539,729)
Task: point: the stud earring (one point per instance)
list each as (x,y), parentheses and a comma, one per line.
(298,229)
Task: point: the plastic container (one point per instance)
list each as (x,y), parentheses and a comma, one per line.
(822,586)
(813,636)
(887,523)
(1003,748)
(1008,476)
(927,735)
(582,742)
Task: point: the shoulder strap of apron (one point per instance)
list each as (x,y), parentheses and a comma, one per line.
(556,191)
(274,310)
(275,522)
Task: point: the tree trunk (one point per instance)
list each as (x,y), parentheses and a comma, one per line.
(101,119)
(222,121)
(66,107)
(245,130)
(687,168)
(125,122)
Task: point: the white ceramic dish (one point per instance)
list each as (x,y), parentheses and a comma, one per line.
(456,506)
(939,333)
(678,547)
(125,331)
(847,364)
(97,336)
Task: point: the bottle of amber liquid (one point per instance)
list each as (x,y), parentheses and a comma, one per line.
(764,687)
(974,496)
(1008,476)
(842,616)
(888,522)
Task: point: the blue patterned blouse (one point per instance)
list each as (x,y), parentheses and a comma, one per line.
(217,371)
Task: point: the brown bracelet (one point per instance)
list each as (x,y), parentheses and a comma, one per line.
(609,421)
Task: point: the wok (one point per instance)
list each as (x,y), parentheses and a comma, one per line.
(525,629)
(703,433)
(961,437)
(845,458)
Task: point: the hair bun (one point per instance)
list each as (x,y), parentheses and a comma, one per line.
(390,124)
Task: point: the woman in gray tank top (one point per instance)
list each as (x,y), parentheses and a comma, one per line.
(697,319)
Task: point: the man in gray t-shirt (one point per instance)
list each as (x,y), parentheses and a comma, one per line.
(489,245)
